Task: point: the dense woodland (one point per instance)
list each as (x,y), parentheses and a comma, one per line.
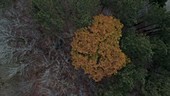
(84,48)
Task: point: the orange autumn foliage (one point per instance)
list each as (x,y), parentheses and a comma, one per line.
(96,48)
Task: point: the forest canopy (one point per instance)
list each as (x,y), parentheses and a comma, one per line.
(84,48)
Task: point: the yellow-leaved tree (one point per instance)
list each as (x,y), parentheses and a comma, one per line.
(96,48)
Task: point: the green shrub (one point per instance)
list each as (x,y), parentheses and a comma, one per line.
(59,15)
(45,11)
(84,10)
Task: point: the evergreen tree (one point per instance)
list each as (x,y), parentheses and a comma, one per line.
(5,3)
(158,83)
(137,47)
(128,11)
